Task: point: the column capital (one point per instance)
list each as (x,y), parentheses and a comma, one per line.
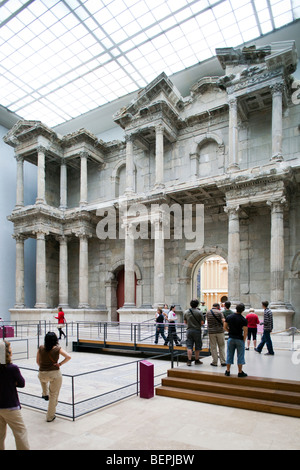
(19,158)
(278,205)
(19,237)
(277,88)
(62,238)
(232,209)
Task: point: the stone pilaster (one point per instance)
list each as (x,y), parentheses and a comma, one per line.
(129,166)
(233,254)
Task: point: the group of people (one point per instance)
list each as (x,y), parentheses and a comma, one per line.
(219,321)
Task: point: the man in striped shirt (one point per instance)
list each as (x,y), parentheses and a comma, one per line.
(268,327)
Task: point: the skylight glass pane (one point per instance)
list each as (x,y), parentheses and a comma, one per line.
(98,50)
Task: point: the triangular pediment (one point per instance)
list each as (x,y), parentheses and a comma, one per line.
(23,129)
(161,89)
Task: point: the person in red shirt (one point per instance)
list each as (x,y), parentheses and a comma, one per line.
(61,322)
(253,321)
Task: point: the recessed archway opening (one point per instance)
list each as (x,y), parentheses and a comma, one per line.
(210,280)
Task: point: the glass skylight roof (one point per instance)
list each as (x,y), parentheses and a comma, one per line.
(62,58)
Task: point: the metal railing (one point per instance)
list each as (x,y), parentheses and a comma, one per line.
(70,406)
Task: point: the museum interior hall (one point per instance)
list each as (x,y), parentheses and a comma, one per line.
(149,155)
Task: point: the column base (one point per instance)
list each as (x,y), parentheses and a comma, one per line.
(41,305)
(19,306)
(129,305)
(83,305)
(277,305)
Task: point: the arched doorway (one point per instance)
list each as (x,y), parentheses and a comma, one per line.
(210,280)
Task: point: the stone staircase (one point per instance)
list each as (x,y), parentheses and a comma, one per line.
(251,393)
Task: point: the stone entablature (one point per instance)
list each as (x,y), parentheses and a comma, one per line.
(183,150)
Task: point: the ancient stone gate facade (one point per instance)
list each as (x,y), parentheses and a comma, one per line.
(231,147)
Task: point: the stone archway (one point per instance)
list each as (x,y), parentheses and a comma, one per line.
(210,280)
(188,268)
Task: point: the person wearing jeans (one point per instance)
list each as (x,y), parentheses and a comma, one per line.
(236,325)
(268,327)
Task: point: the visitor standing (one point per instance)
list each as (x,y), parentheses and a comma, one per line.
(172,317)
(227,311)
(49,371)
(61,322)
(253,321)
(236,325)
(160,326)
(194,320)
(10,408)
(268,327)
(215,327)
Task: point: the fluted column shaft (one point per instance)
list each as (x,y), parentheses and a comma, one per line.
(83,271)
(40,270)
(20,275)
(129,281)
(20,182)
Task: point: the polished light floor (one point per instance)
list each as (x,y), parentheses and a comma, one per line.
(162,423)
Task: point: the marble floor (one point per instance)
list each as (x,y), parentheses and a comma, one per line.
(162,423)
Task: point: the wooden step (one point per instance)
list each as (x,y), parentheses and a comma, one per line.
(253,404)
(252,393)
(265,382)
(236,390)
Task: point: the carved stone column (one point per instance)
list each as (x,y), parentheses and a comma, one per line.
(63,272)
(63,185)
(233,254)
(233,136)
(277,91)
(159,264)
(277,254)
(41,176)
(159,156)
(83,271)
(20,182)
(41,270)
(129,165)
(83,178)
(129,281)
(20,278)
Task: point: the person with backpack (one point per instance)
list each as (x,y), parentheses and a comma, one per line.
(215,326)
(194,320)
